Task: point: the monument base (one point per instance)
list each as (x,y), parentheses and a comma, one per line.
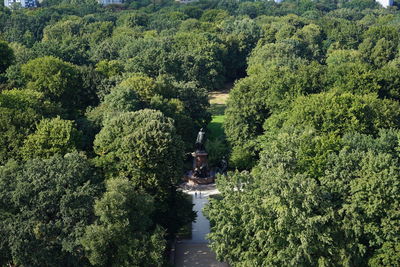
(193,180)
(201,181)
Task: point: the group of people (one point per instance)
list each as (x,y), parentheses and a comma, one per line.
(195,194)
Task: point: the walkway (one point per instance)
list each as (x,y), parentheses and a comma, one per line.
(195,252)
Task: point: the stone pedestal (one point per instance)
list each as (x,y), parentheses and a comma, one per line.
(200,165)
(200,181)
(199,159)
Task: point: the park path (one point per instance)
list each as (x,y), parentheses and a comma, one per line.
(195,252)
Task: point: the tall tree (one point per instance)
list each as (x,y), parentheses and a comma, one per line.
(6,56)
(19,111)
(59,81)
(52,136)
(123,234)
(45,206)
(338,113)
(313,200)
(144,147)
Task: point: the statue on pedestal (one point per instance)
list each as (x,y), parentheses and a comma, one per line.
(201,174)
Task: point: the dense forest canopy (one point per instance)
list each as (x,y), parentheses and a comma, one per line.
(99,104)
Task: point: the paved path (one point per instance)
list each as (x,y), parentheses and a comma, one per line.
(198,255)
(201,227)
(195,252)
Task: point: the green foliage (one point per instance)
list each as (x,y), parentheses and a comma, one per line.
(244,157)
(338,114)
(283,53)
(311,201)
(250,9)
(45,207)
(184,102)
(59,81)
(217,149)
(360,4)
(187,57)
(52,136)
(241,37)
(22,54)
(380,44)
(193,97)
(20,110)
(123,98)
(387,255)
(254,98)
(120,99)
(109,68)
(245,112)
(6,55)
(123,234)
(311,35)
(344,34)
(142,146)
(63,29)
(214,15)
(348,73)
(388,79)
(313,75)
(68,29)
(133,19)
(70,50)
(143,86)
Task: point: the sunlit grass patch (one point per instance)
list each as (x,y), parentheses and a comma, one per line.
(217,110)
(215,127)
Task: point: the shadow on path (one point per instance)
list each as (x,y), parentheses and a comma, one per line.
(195,252)
(190,254)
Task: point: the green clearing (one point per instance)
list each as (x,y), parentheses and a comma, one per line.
(216,145)
(217,110)
(215,127)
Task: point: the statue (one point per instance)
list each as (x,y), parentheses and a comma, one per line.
(203,171)
(196,173)
(201,136)
(223,165)
(200,172)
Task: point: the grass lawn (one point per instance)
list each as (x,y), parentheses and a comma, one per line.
(215,127)
(217,109)
(218,97)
